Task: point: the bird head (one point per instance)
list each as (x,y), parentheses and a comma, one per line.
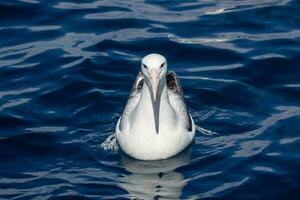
(154,70)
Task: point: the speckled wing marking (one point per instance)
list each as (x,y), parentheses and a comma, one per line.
(138,85)
(174,85)
(132,99)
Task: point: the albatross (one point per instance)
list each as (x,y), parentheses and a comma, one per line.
(156,123)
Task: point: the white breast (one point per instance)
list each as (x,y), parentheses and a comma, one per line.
(138,137)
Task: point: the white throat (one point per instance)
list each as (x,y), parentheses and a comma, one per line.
(144,114)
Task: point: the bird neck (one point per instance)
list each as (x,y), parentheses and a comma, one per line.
(146,96)
(144,109)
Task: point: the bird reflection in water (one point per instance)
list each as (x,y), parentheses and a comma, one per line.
(154,179)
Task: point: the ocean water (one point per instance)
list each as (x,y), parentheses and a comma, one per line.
(66,70)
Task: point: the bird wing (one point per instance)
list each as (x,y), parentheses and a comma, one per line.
(138,85)
(174,87)
(133,99)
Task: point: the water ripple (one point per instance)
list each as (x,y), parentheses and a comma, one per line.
(66,70)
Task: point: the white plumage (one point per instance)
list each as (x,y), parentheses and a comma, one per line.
(156,123)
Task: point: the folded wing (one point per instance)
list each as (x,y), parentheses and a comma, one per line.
(174,87)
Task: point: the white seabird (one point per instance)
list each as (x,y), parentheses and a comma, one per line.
(156,123)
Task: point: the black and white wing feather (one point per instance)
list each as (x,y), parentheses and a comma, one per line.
(137,86)
(133,99)
(175,89)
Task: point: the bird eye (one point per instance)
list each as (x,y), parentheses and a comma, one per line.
(162,65)
(145,66)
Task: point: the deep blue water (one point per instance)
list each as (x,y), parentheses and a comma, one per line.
(66,70)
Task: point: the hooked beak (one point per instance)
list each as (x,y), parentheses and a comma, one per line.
(155,91)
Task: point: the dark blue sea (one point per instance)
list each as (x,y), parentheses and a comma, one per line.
(66,70)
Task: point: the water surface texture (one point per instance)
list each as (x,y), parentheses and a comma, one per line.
(66,70)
